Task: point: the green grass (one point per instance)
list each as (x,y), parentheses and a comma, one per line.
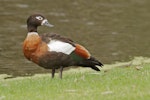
(115,84)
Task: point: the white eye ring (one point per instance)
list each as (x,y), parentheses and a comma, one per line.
(39,18)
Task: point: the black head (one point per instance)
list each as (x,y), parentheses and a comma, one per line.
(36,20)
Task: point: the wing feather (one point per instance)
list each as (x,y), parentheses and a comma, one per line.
(59,46)
(81,51)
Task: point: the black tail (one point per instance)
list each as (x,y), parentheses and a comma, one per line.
(92,62)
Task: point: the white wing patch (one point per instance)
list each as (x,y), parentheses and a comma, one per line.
(59,46)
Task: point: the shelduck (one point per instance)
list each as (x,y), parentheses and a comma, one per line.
(53,51)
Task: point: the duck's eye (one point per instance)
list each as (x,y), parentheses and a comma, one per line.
(39,18)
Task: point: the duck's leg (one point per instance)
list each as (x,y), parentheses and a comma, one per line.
(53,72)
(61,70)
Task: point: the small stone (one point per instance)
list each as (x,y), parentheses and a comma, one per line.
(138,67)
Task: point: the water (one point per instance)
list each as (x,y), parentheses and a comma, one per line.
(111,30)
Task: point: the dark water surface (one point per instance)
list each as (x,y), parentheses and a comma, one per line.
(112,30)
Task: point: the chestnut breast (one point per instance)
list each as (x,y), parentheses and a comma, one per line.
(33,47)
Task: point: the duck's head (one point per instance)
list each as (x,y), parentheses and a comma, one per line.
(36,20)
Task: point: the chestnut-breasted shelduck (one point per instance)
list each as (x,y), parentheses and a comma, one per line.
(53,51)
